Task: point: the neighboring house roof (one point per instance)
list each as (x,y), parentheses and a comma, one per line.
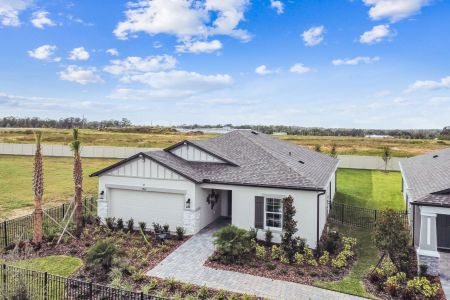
(428,178)
(254,159)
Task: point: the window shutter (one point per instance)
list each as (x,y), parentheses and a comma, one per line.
(259,212)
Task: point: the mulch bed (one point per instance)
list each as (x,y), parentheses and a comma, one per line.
(274,269)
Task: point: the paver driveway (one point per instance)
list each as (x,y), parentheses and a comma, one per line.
(186,264)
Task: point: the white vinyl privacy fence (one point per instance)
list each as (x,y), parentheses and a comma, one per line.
(346,161)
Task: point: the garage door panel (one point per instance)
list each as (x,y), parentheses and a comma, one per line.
(147,207)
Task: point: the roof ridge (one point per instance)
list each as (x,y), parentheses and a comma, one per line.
(277,159)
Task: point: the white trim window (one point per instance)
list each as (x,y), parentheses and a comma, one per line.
(273,213)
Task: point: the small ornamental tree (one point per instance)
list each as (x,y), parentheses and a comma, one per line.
(38,189)
(391,235)
(386,156)
(75,146)
(333,152)
(288,241)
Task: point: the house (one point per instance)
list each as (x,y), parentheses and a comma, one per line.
(243,175)
(426,190)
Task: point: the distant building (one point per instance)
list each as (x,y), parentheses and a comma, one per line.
(378,136)
(280,133)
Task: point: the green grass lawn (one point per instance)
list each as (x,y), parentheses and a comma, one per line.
(16,181)
(60,265)
(370,189)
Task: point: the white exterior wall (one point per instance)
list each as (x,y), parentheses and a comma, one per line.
(243,209)
(192,153)
(207,215)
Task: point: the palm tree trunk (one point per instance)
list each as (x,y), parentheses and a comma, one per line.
(78,180)
(38,188)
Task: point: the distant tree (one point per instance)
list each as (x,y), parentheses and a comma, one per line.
(318,148)
(333,152)
(288,241)
(386,155)
(75,146)
(38,188)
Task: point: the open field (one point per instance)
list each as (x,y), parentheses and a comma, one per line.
(16,177)
(345,145)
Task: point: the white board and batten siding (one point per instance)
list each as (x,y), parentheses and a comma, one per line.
(192,153)
(146,168)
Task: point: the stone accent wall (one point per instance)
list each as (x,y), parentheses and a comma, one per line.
(102,208)
(191,220)
(431,262)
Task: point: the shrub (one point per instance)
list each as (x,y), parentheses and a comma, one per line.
(171,284)
(276,252)
(312,262)
(232,243)
(247,297)
(422,286)
(180,232)
(157,228)
(119,224)
(187,288)
(203,292)
(299,258)
(308,253)
(323,260)
(253,233)
(391,235)
(221,295)
(332,242)
(142,226)
(260,251)
(268,237)
(349,242)
(284,259)
(288,242)
(166,228)
(271,266)
(111,223)
(130,225)
(137,276)
(50,231)
(102,254)
(394,283)
(423,269)
(151,285)
(339,262)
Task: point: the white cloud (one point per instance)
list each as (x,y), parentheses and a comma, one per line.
(394,10)
(80,75)
(199,47)
(443,83)
(136,64)
(355,61)
(184,18)
(40,19)
(376,34)
(79,54)
(112,52)
(10,9)
(157,45)
(313,36)
(44,52)
(299,69)
(278,6)
(263,70)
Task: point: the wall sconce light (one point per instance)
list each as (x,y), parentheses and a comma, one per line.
(188,203)
(101,195)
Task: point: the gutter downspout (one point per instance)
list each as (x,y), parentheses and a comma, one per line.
(414,227)
(318,215)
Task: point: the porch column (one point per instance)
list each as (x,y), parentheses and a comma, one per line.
(427,252)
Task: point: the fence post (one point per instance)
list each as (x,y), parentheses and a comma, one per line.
(45,285)
(90,291)
(4,278)
(5,234)
(63,210)
(342,213)
(142,295)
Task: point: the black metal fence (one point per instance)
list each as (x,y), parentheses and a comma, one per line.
(358,216)
(18,283)
(22,228)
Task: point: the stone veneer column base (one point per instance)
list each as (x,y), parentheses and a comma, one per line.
(191,219)
(432,263)
(102,209)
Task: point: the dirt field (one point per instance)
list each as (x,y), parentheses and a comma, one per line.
(345,145)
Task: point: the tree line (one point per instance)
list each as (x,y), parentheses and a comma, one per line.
(62,123)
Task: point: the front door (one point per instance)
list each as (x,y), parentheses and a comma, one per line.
(230,201)
(443,231)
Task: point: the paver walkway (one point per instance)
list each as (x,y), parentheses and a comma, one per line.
(444,270)
(186,264)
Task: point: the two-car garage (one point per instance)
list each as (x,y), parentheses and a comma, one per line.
(147,206)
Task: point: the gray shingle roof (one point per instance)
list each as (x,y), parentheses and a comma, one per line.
(427,175)
(260,159)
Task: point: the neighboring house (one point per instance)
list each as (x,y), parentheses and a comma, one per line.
(243,175)
(426,189)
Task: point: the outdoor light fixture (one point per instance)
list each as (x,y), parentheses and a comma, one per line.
(188,203)
(101,195)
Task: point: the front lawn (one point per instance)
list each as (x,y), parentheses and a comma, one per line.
(61,265)
(370,189)
(16,181)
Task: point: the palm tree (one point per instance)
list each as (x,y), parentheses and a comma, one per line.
(75,146)
(38,188)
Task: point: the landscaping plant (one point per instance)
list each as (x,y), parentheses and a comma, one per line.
(333,152)
(130,225)
(166,228)
(268,237)
(120,224)
(102,254)
(232,244)
(288,241)
(75,146)
(180,232)
(38,189)
(386,156)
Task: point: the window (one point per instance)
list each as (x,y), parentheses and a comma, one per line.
(273,213)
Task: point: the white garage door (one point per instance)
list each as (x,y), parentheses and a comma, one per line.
(149,207)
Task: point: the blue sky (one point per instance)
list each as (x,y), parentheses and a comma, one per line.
(341,63)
